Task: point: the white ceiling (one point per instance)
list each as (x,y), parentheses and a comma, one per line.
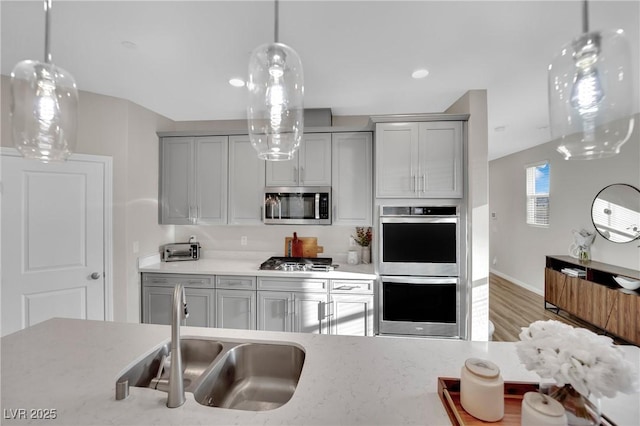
(357,55)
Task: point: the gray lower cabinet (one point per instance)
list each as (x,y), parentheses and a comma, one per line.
(340,307)
(157,298)
(236,302)
(281,309)
(352,308)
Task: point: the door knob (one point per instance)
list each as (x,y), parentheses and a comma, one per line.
(95,275)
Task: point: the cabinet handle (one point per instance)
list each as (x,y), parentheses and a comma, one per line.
(424,183)
(296,174)
(415,183)
(301,178)
(323,312)
(346,287)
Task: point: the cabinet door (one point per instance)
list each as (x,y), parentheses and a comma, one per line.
(397,160)
(310,166)
(246,182)
(202,307)
(282,173)
(352,315)
(603,299)
(211,155)
(236,309)
(177,204)
(352,178)
(158,301)
(314,160)
(623,320)
(441,166)
(275,310)
(310,311)
(554,288)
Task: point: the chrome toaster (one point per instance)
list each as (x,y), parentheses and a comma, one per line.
(180,251)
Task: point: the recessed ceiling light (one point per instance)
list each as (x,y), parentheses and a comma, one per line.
(236,82)
(421,73)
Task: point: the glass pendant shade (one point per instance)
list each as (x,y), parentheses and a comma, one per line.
(591,95)
(43,111)
(275,111)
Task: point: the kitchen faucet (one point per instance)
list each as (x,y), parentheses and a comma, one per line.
(176,381)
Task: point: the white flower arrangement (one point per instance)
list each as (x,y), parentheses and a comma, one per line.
(592,364)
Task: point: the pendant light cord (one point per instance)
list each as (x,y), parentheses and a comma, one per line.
(47,23)
(585,17)
(276,23)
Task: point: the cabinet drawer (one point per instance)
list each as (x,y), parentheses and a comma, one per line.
(170,280)
(236,282)
(352,286)
(293,284)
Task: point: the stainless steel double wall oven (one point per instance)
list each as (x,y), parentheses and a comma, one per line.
(422,264)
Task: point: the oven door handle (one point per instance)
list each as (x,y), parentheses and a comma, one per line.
(418,280)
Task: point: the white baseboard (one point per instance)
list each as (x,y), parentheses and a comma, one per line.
(518,282)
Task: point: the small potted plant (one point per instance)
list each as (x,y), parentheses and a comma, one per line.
(363,239)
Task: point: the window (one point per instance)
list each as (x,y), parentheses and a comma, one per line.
(538,194)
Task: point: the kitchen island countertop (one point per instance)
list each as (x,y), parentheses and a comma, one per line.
(71,366)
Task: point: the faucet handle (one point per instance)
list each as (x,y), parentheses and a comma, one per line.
(184,303)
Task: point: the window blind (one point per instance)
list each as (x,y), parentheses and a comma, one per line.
(538,194)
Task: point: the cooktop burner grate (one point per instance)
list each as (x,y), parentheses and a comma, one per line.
(297,264)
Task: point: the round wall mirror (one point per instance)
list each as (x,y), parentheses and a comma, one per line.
(615,213)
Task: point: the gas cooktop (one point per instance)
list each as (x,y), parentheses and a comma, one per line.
(295,264)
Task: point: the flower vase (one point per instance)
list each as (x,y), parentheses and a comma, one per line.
(580,410)
(365,255)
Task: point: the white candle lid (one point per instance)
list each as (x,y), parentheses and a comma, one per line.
(482,368)
(544,404)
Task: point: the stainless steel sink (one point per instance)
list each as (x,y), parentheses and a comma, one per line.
(153,370)
(253,376)
(236,375)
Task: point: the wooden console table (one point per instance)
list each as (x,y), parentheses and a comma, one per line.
(595,298)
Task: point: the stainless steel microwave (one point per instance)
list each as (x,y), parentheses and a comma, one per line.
(297,205)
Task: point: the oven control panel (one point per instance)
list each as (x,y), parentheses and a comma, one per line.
(419,211)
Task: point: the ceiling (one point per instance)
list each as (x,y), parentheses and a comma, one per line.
(176,57)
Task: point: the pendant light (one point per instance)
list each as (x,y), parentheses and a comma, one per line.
(591,94)
(275,109)
(44,105)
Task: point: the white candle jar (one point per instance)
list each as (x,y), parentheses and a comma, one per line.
(542,410)
(482,390)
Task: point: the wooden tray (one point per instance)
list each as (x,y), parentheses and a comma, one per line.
(449,392)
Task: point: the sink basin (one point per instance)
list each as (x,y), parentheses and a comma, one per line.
(253,376)
(197,356)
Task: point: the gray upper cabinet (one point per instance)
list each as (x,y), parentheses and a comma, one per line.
(246,182)
(310,166)
(193,180)
(419,160)
(352,178)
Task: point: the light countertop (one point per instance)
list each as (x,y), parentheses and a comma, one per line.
(72,366)
(250,267)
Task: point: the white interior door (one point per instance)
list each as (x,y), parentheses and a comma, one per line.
(53,237)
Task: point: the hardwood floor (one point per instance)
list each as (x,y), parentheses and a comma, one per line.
(512,307)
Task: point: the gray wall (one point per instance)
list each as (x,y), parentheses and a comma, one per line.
(474,102)
(518,250)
